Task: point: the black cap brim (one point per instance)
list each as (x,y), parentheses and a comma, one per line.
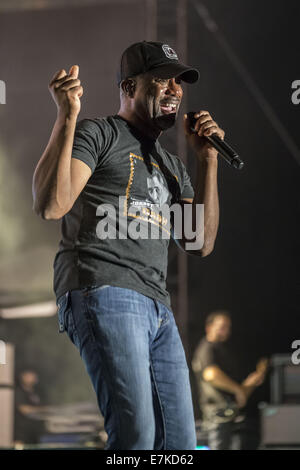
(187,74)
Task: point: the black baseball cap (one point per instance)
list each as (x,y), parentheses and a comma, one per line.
(154,57)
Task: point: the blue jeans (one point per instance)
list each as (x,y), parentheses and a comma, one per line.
(134,356)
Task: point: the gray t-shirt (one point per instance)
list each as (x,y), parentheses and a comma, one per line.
(124,163)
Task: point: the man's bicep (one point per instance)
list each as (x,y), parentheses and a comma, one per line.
(209,372)
(208,356)
(204,361)
(80,174)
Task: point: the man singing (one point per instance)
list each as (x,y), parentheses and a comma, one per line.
(111,290)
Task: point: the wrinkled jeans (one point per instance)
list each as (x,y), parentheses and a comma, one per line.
(134,356)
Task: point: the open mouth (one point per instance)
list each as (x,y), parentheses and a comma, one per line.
(168,108)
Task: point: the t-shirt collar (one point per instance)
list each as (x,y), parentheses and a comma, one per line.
(136,132)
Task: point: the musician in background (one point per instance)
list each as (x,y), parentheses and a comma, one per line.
(28,400)
(223,397)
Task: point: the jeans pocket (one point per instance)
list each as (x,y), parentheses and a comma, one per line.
(66,320)
(62,303)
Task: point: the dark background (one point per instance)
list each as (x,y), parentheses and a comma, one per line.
(253,271)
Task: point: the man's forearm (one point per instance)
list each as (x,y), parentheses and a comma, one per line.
(248,389)
(52,177)
(206,192)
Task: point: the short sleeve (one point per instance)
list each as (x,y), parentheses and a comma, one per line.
(204,356)
(88,145)
(187,191)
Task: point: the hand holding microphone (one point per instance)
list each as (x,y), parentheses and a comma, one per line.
(203,133)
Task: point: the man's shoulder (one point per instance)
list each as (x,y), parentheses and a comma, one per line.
(204,346)
(96,124)
(200,354)
(203,343)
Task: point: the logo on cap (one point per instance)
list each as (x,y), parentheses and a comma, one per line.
(170,53)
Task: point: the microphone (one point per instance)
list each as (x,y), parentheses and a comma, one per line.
(227,152)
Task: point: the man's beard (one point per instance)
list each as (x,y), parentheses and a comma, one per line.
(165,121)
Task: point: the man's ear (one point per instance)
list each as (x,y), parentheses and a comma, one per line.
(129,87)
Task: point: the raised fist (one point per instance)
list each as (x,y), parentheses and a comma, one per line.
(66,91)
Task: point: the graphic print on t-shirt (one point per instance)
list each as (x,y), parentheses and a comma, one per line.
(146,193)
(157,189)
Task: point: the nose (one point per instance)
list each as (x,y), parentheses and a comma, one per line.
(174,88)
